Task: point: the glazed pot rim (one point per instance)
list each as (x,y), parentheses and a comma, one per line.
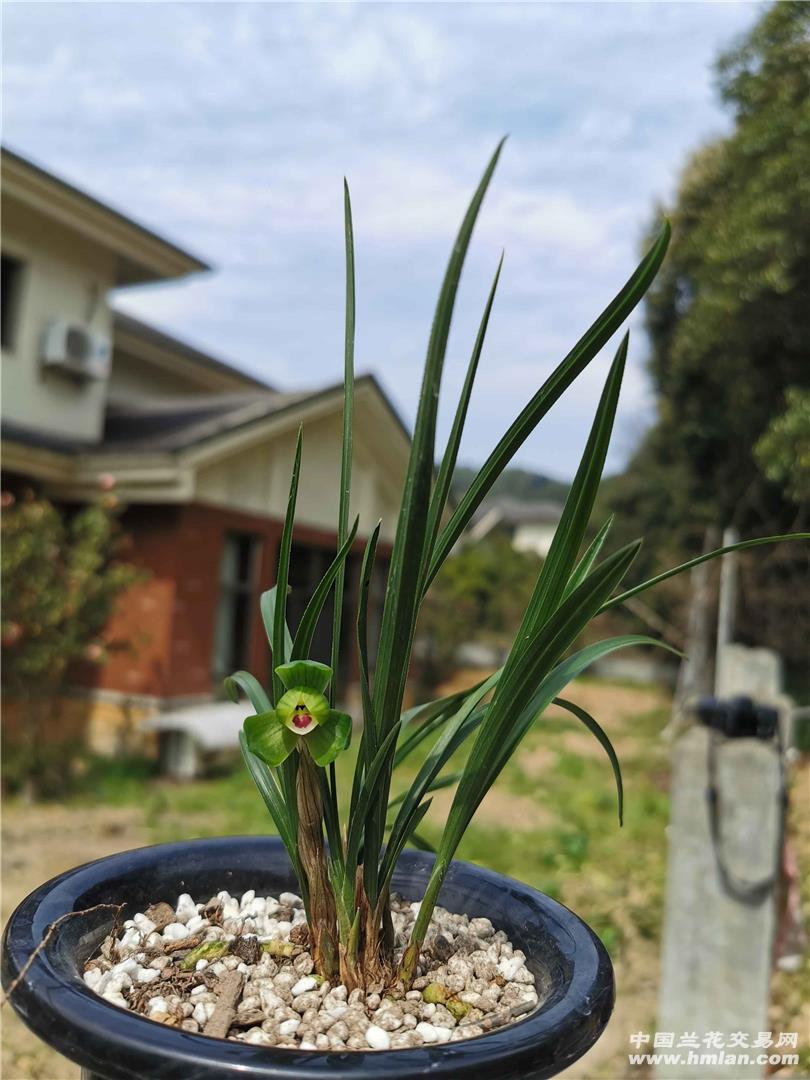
(55,1002)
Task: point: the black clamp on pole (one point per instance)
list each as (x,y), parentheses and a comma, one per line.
(740,718)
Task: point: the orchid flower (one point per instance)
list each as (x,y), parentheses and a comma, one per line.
(302,713)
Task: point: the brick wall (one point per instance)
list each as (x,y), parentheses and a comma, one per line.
(169,619)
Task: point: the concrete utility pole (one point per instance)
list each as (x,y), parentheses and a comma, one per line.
(727,603)
(723,866)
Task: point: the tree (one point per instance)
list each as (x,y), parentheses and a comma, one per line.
(784,450)
(61,576)
(729,324)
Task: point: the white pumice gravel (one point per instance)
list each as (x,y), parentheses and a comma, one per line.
(470,981)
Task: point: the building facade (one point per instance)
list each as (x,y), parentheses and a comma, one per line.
(200,452)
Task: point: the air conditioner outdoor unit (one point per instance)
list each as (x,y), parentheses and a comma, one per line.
(73,348)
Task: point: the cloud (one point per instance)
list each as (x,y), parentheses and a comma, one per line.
(229,127)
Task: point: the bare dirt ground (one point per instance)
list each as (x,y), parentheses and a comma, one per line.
(38,843)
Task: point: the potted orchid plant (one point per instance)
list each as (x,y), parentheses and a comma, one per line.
(361,957)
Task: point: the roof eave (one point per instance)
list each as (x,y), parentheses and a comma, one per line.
(143,256)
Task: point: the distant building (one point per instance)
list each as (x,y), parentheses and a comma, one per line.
(529,525)
(201,452)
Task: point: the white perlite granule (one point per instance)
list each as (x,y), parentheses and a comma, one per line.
(168,964)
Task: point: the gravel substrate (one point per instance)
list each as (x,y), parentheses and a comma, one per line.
(238,968)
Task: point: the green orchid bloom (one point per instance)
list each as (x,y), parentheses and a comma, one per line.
(302,712)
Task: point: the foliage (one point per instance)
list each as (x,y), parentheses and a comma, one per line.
(729,322)
(479,595)
(784,450)
(61,576)
(345,872)
(60,579)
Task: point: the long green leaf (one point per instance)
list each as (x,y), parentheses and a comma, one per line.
(421,843)
(533,707)
(346,443)
(441,489)
(598,732)
(583,567)
(552,389)
(452,736)
(365,800)
(252,688)
(401,600)
(278,808)
(394,847)
(312,612)
(368,739)
(430,716)
(283,573)
(406,572)
(570,532)
(437,785)
(740,546)
(494,745)
(267,604)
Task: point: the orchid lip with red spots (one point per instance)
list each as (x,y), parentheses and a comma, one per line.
(302,722)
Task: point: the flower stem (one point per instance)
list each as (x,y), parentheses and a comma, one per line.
(322,915)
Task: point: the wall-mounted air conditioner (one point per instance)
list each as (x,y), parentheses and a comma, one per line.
(73,348)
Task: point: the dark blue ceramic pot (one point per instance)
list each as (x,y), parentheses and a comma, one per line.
(572,969)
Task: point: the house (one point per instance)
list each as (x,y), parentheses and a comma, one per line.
(529,525)
(201,453)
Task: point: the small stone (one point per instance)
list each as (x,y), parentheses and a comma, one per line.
(147,975)
(289,899)
(259,1037)
(175,931)
(482,928)
(388,1020)
(377,1038)
(299,935)
(247,949)
(186,908)
(428,1032)
(442,947)
(304,964)
(144,924)
(288,1027)
(160,915)
(403,1040)
(303,985)
(306,1001)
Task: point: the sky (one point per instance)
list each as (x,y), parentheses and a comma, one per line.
(229,127)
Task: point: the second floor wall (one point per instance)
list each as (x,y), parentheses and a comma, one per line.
(50,273)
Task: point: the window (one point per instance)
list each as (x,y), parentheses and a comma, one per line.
(10,280)
(237,577)
(308,564)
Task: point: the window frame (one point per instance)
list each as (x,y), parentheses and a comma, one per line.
(235,602)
